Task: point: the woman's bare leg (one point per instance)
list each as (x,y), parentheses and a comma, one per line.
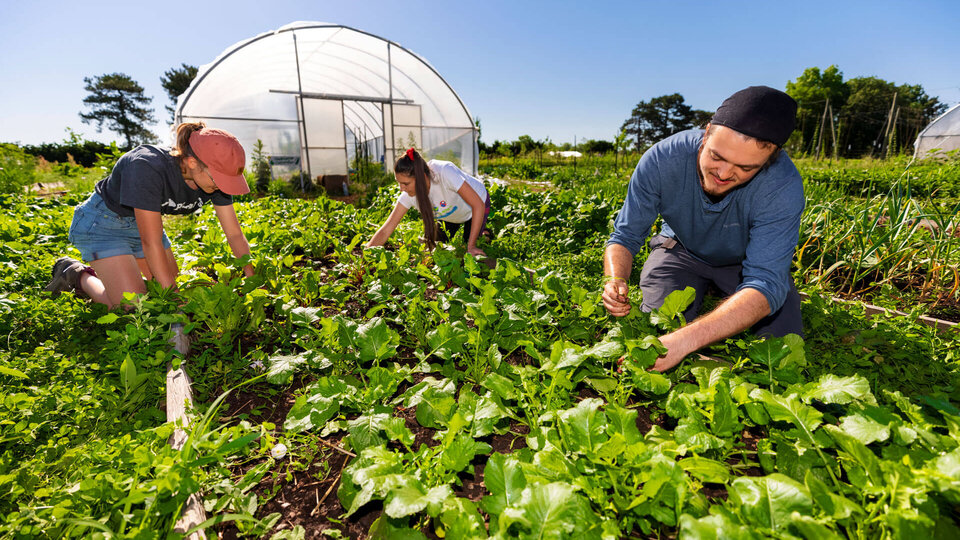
(117,275)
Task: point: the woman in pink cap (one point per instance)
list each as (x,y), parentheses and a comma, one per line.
(119,230)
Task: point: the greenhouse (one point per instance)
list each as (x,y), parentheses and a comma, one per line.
(941,135)
(322,96)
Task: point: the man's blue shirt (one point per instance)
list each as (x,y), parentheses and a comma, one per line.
(756,224)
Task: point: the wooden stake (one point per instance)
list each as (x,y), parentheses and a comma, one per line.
(823,123)
(833,132)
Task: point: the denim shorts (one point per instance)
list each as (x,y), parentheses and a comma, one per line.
(99,232)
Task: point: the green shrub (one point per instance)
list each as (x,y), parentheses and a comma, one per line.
(17,169)
(261,167)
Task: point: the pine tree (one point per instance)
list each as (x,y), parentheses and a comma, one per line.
(118,101)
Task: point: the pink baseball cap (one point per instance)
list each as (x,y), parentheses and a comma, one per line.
(224,157)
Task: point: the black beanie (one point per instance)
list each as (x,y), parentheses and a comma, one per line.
(759,111)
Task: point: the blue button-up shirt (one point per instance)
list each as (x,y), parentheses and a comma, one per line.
(756,225)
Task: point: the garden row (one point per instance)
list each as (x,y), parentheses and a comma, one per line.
(426,394)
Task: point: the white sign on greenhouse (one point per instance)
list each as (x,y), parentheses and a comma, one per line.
(326,92)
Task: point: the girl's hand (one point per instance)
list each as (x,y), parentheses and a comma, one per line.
(476,252)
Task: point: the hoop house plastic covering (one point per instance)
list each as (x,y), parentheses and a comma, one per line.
(317,93)
(941,135)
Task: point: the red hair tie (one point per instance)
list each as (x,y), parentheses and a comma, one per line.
(410,153)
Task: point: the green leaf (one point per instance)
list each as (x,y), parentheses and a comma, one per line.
(382,383)
(673,306)
(13,372)
(397,430)
(908,524)
(382,529)
(789,409)
(648,381)
(859,452)
(447,339)
(840,390)
(864,428)
(833,505)
(500,385)
(706,470)
(480,412)
(550,510)
(624,422)
(504,479)
(769,501)
(461,519)
(128,375)
(719,526)
(414,395)
(304,316)
(811,528)
(283,367)
(725,421)
(563,354)
(461,452)
(605,350)
(409,497)
(783,358)
(311,412)
(365,431)
(582,427)
(109,318)
(376,340)
(435,408)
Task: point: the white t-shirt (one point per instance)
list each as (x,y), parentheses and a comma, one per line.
(448,205)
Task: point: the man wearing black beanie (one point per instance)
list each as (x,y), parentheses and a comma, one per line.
(731,202)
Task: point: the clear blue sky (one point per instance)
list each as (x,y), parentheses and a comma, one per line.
(547,69)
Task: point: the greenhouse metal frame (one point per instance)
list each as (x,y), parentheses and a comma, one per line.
(327,95)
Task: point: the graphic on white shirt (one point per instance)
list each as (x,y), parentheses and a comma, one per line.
(441,212)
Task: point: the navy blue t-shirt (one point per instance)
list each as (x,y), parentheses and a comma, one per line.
(149,178)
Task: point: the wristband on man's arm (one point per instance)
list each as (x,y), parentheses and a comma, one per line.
(607,279)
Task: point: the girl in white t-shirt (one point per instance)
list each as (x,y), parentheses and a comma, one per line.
(442,192)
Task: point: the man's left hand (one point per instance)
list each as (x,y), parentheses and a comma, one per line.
(476,252)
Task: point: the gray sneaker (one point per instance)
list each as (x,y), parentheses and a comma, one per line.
(66,276)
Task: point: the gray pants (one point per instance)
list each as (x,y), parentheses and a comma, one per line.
(671,268)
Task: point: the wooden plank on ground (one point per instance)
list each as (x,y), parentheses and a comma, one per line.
(939,324)
(179,401)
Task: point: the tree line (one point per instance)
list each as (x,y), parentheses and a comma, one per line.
(862,116)
(859,117)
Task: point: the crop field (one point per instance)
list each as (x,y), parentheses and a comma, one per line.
(394,392)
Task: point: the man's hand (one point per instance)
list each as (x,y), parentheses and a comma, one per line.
(675,352)
(476,252)
(734,315)
(615,297)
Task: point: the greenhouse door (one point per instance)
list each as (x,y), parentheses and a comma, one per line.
(323,147)
(407,128)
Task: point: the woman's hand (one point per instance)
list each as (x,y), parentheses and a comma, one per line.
(476,252)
